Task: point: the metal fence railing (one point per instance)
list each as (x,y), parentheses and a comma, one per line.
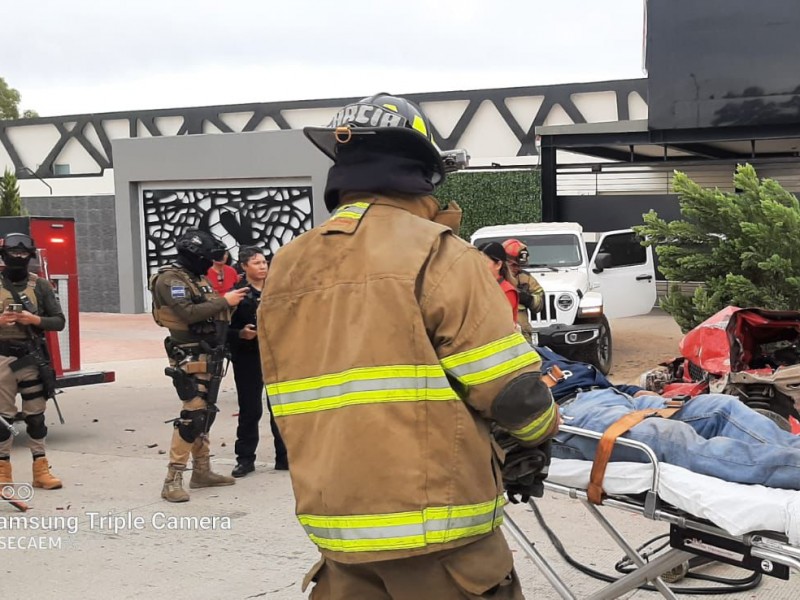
(617,178)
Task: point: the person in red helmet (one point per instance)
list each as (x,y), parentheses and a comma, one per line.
(531,294)
(496,256)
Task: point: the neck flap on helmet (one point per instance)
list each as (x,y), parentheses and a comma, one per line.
(374,167)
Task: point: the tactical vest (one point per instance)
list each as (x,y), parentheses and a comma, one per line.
(200,291)
(18,332)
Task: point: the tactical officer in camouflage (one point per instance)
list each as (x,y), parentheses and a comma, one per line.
(29,307)
(197,318)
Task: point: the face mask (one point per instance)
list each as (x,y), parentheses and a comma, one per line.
(194,264)
(16,267)
(450,216)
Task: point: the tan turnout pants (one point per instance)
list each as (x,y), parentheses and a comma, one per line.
(483,569)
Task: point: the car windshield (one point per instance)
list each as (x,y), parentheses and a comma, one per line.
(546,250)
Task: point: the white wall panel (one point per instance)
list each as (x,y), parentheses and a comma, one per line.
(487,135)
(597,107)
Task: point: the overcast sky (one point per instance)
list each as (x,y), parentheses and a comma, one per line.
(87,56)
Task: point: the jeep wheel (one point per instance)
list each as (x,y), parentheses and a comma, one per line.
(599,353)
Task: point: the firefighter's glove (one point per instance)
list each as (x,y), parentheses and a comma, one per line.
(524,469)
(525,296)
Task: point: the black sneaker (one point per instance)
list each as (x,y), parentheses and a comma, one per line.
(243,468)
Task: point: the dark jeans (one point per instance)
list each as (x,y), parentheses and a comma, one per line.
(249,389)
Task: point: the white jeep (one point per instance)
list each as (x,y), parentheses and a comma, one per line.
(581,294)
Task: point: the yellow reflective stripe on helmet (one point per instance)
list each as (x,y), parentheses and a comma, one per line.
(365,385)
(538,427)
(355,211)
(391,107)
(419,124)
(400,531)
(491,361)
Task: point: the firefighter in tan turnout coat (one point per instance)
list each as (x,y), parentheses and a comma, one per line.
(531,293)
(388,354)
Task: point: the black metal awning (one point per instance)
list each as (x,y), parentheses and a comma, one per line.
(633,142)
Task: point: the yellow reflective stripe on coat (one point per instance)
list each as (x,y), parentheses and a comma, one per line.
(365,385)
(402,531)
(491,361)
(354,211)
(539,427)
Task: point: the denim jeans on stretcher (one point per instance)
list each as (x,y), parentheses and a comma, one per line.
(713,434)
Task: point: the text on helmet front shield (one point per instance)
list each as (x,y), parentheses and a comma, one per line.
(367,115)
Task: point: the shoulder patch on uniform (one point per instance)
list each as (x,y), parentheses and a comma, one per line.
(178,291)
(346,218)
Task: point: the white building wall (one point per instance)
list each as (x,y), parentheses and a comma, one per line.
(488,138)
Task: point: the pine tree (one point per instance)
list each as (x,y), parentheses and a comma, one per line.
(742,246)
(10,200)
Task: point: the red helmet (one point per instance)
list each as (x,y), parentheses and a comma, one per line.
(516,251)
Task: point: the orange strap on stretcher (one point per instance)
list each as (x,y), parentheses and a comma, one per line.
(552,376)
(606,446)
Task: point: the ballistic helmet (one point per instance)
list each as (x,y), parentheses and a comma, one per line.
(516,251)
(393,121)
(16,267)
(196,250)
(18,241)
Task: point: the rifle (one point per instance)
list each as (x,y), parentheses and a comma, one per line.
(217,360)
(47,373)
(216,367)
(8,426)
(7,493)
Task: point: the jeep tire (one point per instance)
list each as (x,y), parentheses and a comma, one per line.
(600,352)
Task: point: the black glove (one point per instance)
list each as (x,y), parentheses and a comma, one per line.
(525,296)
(524,469)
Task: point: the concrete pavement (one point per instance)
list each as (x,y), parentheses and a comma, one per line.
(238,542)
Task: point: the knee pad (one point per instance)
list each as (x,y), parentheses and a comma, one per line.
(192,424)
(37,430)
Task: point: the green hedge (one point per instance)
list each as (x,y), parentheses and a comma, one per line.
(494,197)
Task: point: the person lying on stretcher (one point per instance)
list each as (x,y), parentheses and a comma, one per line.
(712,434)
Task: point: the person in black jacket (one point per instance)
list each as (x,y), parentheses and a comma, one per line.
(247,367)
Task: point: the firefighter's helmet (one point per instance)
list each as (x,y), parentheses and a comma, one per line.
(516,251)
(395,122)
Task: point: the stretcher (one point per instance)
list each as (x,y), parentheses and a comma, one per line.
(749,526)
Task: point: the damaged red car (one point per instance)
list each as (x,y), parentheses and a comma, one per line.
(750,353)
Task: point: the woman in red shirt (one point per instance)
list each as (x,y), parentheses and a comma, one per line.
(221,276)
(496,255)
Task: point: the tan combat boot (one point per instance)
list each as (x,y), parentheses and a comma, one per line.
(5,472)
(173,485)
(42,478)
(202,475)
